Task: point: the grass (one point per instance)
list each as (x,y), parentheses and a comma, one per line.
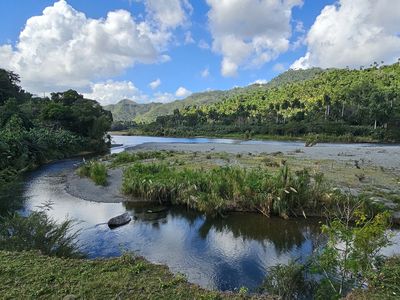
(96,171)
(29,275)
(221,189)
(39,232)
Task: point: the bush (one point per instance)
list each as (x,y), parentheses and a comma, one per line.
(94,170)
(287,281)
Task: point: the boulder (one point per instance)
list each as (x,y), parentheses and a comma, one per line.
(119,220)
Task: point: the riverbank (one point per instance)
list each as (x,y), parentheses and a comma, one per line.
(320,138)
(369,171)
(371,155)
(27,275)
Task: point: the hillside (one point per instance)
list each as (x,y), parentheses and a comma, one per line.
(127,110)
(337,102)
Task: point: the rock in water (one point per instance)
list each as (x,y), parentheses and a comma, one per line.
(119,220)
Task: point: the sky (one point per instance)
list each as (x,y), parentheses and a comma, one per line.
(163,50)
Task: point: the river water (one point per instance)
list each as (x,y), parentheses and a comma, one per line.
(217,253)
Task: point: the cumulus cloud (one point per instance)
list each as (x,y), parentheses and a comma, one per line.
(155,84)
(353,33)
(110,92)
(182,92)
(63,48)
(249,33)
(169,13)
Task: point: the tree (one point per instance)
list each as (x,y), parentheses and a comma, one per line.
(352,253)
(9,87)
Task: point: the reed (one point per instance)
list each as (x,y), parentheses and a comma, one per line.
(96,171)
(221,189)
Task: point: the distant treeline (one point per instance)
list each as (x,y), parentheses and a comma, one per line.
(337,102)
(35,130)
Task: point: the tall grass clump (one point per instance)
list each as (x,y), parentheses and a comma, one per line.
(226,188)
(39,232)
(94,170)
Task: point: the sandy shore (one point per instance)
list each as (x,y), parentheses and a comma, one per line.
(84,188)
(387,157)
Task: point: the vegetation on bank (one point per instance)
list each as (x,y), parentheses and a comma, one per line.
(27,275)
(228,188)
(218,182)
(39,232)
(348,104)
(35,130)
(348,263)
(94,170)
(126,112)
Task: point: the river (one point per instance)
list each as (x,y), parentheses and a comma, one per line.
(217,253)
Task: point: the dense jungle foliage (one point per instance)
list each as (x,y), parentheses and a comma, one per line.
(127,112)
(336,102)
(35,130)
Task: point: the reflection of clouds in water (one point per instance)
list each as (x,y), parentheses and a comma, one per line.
(52,189)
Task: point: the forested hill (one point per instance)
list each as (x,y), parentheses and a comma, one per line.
(36,130)
(127,110)
(337,102)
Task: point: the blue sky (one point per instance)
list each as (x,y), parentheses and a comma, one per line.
(185,46)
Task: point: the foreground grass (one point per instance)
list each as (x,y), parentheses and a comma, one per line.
(29,275)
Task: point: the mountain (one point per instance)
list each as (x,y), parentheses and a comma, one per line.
(127,110)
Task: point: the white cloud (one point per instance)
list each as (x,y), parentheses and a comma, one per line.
(63,48)
(110,92)
(182,92)
(353,33)
(155,84)
(259,81)
(188,38)
(205,73)
(249,33)
(203,45)
(169,13)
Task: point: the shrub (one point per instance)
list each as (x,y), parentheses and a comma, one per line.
(94,170)
(287,281)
